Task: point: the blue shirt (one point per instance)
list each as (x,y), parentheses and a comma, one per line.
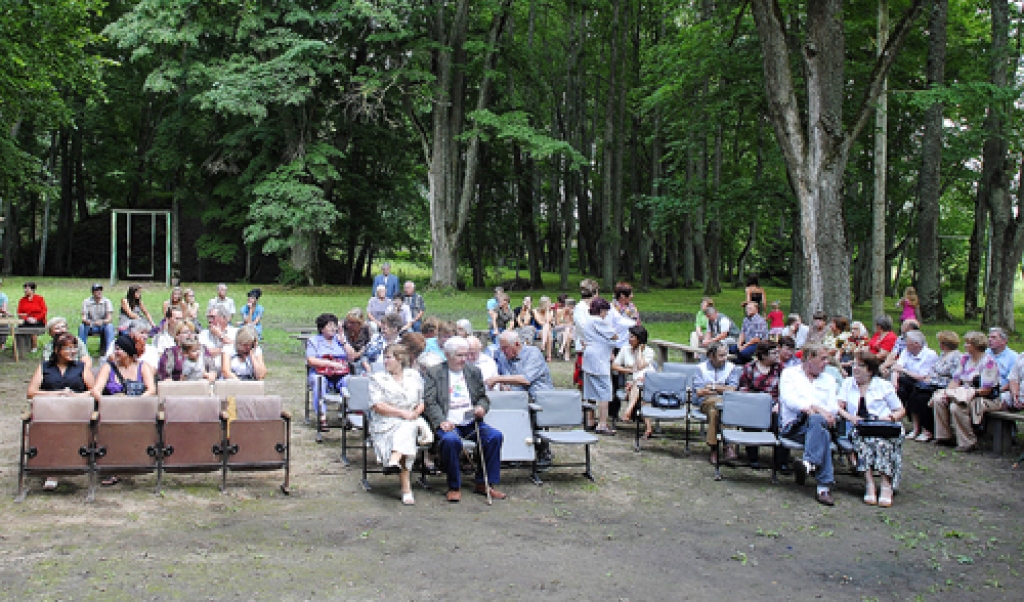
(257,314)
(390,282)
(530,365)
(1006,360)
(3,300)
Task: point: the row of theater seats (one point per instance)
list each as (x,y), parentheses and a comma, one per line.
(183,430)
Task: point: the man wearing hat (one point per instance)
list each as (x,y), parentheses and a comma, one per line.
(97,318)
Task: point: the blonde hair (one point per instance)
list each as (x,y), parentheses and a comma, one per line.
(910,294)
(246,336)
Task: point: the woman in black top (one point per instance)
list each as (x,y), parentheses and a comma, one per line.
(61,374)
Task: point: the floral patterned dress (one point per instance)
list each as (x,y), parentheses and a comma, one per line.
(391,433)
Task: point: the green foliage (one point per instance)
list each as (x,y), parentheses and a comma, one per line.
(514,126)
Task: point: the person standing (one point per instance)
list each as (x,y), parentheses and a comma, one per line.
(97,318)
(389,280)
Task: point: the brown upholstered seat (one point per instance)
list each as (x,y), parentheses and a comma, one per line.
(57,438)
(193,435)
(127,434)
(258,435)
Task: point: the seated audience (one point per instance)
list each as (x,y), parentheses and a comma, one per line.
(1004,356)
(1015,398)
(911,376)
(327,355)
(898,346)
(4,312)
(124,373)
(635,360)
(357,333)
(396,403)
(563,331)
(973,391)
(484,362)
(501,316)
(134,315)
(700,322)
(377,306)
(528,370)
(720,329)
(454,397)
(544,317)
(787,352)
(192,309)
(187,359)
(715,376)
(402,311)
(762,376)
(32,311)
(177,299)
(417,307)
(220,333)
(796,330)
(222,300)
(163,338)
(754,330)
(818,330)
(97,317)
(884,339)
(868,396)
(252,312)
(414,343)
(807,413)
(463,328)
(243,361)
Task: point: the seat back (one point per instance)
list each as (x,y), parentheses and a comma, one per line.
(509,400)
(358,393)
(192,431)
(226,388)
(258,437)
(127,433)
(688,370)
(559,408)
(514,424)
(179,388)
(666,382)
(747,410)
(60,428)
(62,409)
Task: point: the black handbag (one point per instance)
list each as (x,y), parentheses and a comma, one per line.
(885,429)
(667,400)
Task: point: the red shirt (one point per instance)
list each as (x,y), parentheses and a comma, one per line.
(879,341)
(32,308)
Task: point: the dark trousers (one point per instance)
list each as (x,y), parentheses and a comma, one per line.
(450,448)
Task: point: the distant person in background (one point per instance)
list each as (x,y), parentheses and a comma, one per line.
(700,322)
(776,320)
(501,317)
(388,280)
(192,309)
(414,301)
(378,305)
(32,311)
(400,309)
(544,317)
(797,330)
(908,304)
(252,312)
(564,330)
(177,299)
(223,300)
(134,315)
(4,302)
(97,317)
(754,291)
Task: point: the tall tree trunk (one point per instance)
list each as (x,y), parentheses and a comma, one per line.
(879,275)
(610,229)
(712,279)
(929,187)
(994,189)
(816,157)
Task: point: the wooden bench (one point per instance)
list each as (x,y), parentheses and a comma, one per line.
(1000,424)
(691,354)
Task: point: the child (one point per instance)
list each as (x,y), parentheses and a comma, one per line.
(909,304)
(776,320)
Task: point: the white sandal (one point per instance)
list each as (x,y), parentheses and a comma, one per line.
(50,484)
(408,500)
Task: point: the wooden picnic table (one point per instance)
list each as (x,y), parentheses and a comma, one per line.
(691,354)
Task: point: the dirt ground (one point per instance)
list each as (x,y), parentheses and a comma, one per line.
(655,526)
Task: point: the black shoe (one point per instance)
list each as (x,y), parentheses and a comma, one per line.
(801,473)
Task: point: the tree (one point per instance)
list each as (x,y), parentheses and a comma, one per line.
(817,147)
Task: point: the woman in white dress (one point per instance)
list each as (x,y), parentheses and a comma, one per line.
(635,361)
(396,402)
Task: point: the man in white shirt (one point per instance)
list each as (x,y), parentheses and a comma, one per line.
(222,300)
(219,334)
(797,329)
(808,410)
(482,361)
(454,397)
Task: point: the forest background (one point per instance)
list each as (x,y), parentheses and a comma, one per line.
(666,143)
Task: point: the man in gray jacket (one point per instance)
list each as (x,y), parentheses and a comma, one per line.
(454,397)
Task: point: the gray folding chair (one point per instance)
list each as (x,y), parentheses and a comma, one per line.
(517,445)
(354,408)
(561,409)
(509,400)
(751,412)
(662,386)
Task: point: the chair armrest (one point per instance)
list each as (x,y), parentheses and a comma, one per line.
(534,407)
(95,417)
(224,416)
(160,416)
(589,406)
(286,414)
(26,416)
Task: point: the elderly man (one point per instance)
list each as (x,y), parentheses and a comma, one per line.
(715,376)
(1015,397)
(219,334)
(97,317)
(1003,355)
(485,363)
(164,339)
(56,327)
(720,329)
(899,346)
(527,369)
(414,301)
(911,376)
(222,300)
(796,329)
(787,352)
(388,280)
(454,397)
(754,330)
(808,410)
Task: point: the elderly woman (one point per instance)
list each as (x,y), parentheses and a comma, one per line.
(463,328)
(327,355)
(972,391)
(252,312)
(377,306)
(187,359)
(56,327)
(635,361)
(396,402)
(61,374)
(599,339)
(868,396)
(245,360)
(357,333)
(544,319)
(883,340)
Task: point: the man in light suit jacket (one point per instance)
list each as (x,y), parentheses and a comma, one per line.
(454,396)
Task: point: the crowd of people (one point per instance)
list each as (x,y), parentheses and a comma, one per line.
(829,379)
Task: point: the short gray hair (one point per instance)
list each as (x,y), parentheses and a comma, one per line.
(999,331)
(465,326)
(884,322)
(454,345)
(222,311)
(509,337)
(916,336)
(813,350)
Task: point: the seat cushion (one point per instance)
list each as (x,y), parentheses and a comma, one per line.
(748,438)
(568,437)
(663,414)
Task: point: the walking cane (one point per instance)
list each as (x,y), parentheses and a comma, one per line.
(483,460)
